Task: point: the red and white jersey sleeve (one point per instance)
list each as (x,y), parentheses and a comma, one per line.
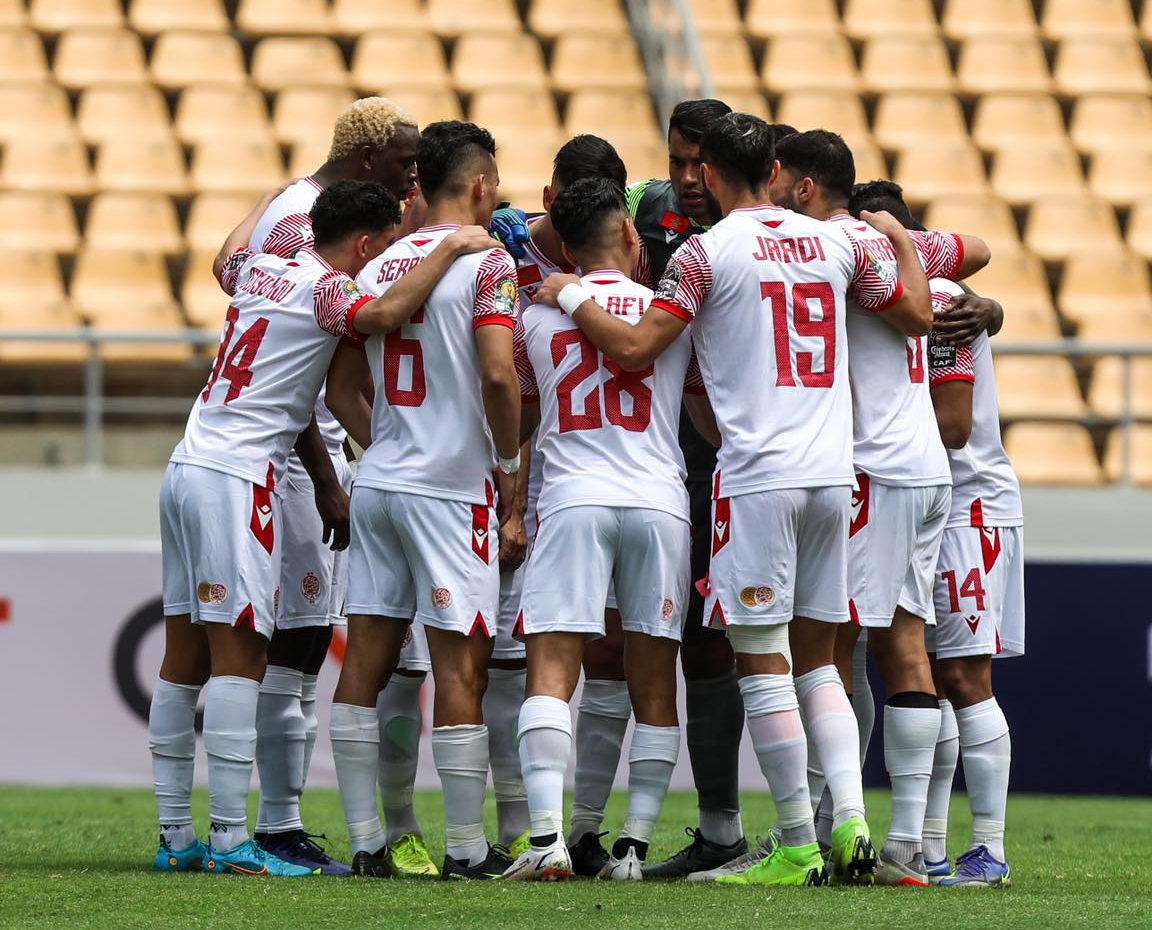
(529,390)
(337,299)
(533,268)
(429,431)
(941,253)
(607,437)
(687,281)
(233,270)
(273,359)
(876,282)
(985,489)
(286,225)
(693,380)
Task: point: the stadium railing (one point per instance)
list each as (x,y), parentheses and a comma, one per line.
(670,48)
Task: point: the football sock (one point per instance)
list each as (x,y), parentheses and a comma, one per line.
(230,744)
(713,730)
(502,703)
(824,818)
(280,745)
(601,723)
(311,724)
(863,703)
(831,726)
(651,759)
(461,754)
(355,739)
(986,748)
(172,739)
(940,788)
(545,732)
(911,727)
(778,738)
(398,715)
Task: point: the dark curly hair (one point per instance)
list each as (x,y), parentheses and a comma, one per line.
(588,156)
(582,210)
(883,195)
(445,149)
(822,156)
(691,118)
(740,148)
(350,207)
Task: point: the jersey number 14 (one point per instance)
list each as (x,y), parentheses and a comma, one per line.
(235,367)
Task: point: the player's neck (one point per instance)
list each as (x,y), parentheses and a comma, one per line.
(744,199)
(606,260)
(545,239)
(329,173)
(451,212)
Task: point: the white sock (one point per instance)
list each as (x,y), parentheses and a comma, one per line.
(355,751)
(502,703)
(280,742)
(651,759)
(400,721)
(601,722)
(986,747)
(831,726)
(778,738)
(230,744)
(311,724)
(940,788)
(863,703)
(545,733)
(172,739)
(909,746)
(461,754)
(824,817)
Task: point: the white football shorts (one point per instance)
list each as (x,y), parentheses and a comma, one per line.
(220,548)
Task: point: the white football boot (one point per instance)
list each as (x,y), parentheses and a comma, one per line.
(623,870)
(547,864)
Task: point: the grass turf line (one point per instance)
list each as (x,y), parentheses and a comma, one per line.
(80,858)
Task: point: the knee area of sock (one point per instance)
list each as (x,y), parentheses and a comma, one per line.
(606,699)
(948,728)
(169,694)
(350,722)
(768,694)
(981,723)
(462,749)
(308,685)
(761,640)
(822,690)
(282,681)
(656,744)
(541,712)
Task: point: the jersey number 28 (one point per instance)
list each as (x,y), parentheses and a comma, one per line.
(622,382)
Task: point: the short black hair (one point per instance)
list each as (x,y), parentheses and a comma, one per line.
(739,146)
(588,156)
(691,118)
(883,195)
(822,156)
(781,131)
(579,213)
(445,148)
(350,207)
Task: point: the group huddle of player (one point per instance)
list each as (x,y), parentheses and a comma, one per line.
(743,418)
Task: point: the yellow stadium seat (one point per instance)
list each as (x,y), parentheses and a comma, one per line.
(966,19)
(427,104)
(1014,276)
(1136,466)
(59,164)
(611,115)
(1027,320)
(588,62)
(245,166)
(809,62)
(54,16)
(770,19)
(716,17)
(180,58)
(151,17)
(1053,453)
(39,109)
(219,113)
(908,118)
(12,13)
(127,164)
(1133,328)
(37,220)
(204,302)
(1024,173)
(1104,285)
(133,221)
(307,112)
(32,297)
(1037,386)
(480,61)
(1106,394)
(988,217)
(1062,226)
(283,17)
(279,62)
(307,155)
(508,110)
(995,64)
(1121,176)
(730,66)
(1101,121)
(1074,19)
(355,17)
(1086,66)
(752,101)
(1139,236)
(452,18)
(89,56)
(549,19)
(815,109)
(901,62)
(927,171)
(385,59)
(870,19)
(527,167)
(868,158)
(110,111)
(22,56)
(1017,119)
(212,216)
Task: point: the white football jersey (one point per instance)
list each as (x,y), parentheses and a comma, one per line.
(985,489)
(766,289)
(285,321)
(430,435)
(284,229)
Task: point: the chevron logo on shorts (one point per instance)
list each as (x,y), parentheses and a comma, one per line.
(989,546)
(480,532)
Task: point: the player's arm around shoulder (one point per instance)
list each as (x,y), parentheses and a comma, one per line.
(951,375)
(905,304)
(347,390)
(224,265)
(494,322)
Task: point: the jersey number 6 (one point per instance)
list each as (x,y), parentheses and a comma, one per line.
(397,347)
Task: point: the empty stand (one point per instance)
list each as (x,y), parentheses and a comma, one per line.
(151,17)
(355,17)
(1024,173)
(1062,226)
(587,62)
(40,220)
(868,158)
(55,16)
(966,19)
(155,165)
(60,164)
(203,300)
(22,56)
(308,155)
(815,109)
(1139,237)
(306,112)
(810,62)
(427,104)
(984,216)
(212,216)
(39,109)
(453,18)
(1037,386)
(134,221)
(900,62)
(31,281)
(611,115)
(211,112)
(249,165)
(551,18)
(279,62)
(283,17)
(1085,66)
(1122,175)
(1014,277)
(992,64)
(481,61)
(1137,465)
(950,168)
(111,111)
(1106,394)
(1103,121)
(515,112)
(729,63)
(1012,119)
(1073,19)
(90,56)
(870,19)
(1053,453)
(181,57)
(386,59)
(1104,285)
(770,19)
(913,117)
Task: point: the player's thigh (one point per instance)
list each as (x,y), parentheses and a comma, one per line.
(308,564)
(917,594)
(821,590)
(650,667)
(651,572)
(969,595)
(414,655)
(380,580)
(604,657)
(554,663)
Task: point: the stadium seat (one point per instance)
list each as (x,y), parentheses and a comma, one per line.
(1017,119)
(927,171)
(283,17)
(509,111)
(246,166)
(995,64)
(307,155)
(1037,386)
(39,108)
(1086,66)
(809,62)
(984,216)
(644,159)
(1139,237)
(905,62)
(427,104)
(716,17)
(870,19)
(1101,121)
(480,61)
(550,19)
(770,19)
(90,56)
(611,115)
(22,56)
(111,284)
(151,17)
(1024,173)
(200,294)
(355,17)
(307,112)
(966,19)
(1053,453)
(214,112)
(212,216)
(1136,467)
(1104,285)
(1062,226)
(1134,328)
(1106,394)
(180,58)
(454,18)
(127,164)
(1027,319)
(589,62)
(32,297)
(908,118)
(729,63)
(869,160)
(1014,276)
(33,163)
(110,111)
(54,16)
(1074,19)
(752,101)
(816,109)
(279,62)
(13,13)
(525,168)
(384,59)
(1121,176)
(133,221)
(45,221)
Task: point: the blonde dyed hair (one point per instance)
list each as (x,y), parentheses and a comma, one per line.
(367,121)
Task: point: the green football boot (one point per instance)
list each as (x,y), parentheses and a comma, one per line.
(853,857)
(786,865)
(410,856)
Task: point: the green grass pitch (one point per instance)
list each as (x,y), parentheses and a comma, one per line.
(80,858)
